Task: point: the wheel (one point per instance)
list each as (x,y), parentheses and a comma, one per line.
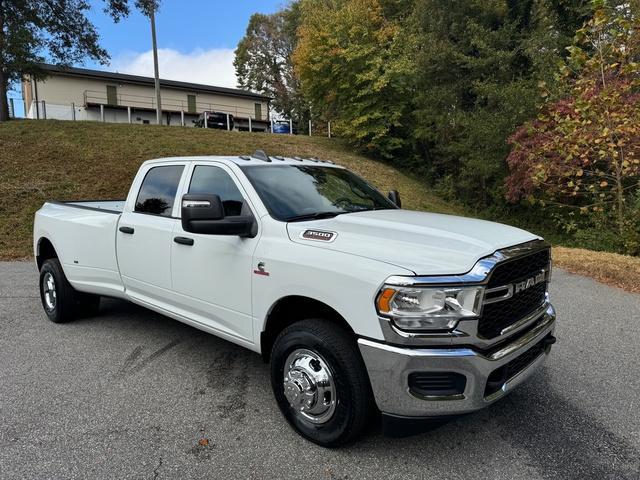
(61,302)
(56,293)
(320,382)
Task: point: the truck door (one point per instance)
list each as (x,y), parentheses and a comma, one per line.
(143,238)
(212,276)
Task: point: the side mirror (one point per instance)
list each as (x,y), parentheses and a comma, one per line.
(205,214)
(394,196)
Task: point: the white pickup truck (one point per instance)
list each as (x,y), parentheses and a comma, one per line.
(359,306)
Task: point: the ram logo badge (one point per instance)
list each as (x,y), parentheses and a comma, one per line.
(320,235)
(530,282)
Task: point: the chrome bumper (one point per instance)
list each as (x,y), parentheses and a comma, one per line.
(389,368)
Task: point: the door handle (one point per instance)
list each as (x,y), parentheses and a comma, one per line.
(183,240)
(128,230)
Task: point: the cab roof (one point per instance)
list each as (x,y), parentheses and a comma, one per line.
(257,158)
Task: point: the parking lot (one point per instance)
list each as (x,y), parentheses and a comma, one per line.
(133,394)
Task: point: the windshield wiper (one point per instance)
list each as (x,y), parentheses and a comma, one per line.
(313,216)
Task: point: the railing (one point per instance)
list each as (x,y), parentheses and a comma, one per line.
(43,110)
(168,104)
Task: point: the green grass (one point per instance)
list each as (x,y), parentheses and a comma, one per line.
(48,159)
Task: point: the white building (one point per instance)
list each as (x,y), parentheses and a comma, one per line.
(69,93)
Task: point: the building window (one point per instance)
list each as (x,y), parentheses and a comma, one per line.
(191,104)
(112,95)
(258,111)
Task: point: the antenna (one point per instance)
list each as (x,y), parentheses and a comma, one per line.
(261,155)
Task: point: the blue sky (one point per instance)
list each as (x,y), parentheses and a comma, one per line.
(196,39)
(182,25)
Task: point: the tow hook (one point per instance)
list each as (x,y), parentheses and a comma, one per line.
(548,341)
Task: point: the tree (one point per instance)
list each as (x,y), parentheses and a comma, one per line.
(356,68)
(478,69)
(582,153)
(263,60)
(32,31)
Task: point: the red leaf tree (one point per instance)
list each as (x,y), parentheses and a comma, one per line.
(582,153)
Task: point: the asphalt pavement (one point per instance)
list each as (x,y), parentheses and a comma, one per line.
(132,394)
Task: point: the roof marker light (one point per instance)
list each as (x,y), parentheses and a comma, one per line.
(261,155)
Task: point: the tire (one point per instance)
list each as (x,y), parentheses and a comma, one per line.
(319,349)
(61,302)
(57,295)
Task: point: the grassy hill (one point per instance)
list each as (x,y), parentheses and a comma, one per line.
(48,159)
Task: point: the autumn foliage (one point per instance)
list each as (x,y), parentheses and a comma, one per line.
(582,153)
(356,69)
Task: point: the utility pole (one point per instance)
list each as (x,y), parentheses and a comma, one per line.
(152,17)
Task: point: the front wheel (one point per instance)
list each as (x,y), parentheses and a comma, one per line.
(320,382)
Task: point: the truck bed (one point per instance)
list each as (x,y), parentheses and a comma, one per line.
(83,234)
(108,205)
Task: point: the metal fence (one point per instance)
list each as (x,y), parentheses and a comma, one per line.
(142,113)
(169,104)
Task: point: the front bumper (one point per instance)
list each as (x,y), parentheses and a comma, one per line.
(389,368)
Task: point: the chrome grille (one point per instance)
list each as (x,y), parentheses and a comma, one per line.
(513,270)
(498,315)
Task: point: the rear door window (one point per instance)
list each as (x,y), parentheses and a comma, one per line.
(158,190)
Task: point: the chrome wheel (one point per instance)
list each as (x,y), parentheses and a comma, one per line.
(309,386)
(49,292)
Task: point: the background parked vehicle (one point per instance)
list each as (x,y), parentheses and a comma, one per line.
(215,120)
(283,126)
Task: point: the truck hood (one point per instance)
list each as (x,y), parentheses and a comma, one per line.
(425,243)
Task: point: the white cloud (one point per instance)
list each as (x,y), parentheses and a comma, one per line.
(209,67)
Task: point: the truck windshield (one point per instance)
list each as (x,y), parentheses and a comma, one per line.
(307,192)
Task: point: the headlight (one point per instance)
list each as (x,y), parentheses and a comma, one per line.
(439,308)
